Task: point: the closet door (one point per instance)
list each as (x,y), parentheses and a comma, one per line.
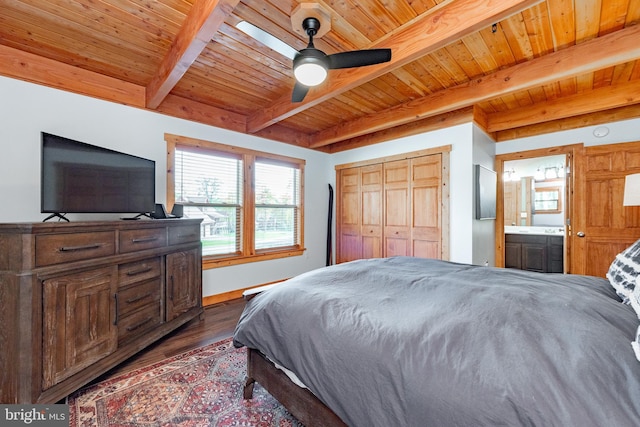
(426,200)
(397,209)
(348,215)
(371,212)
(396,206)
(359,213)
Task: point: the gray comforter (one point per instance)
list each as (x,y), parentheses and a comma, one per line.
(417,342)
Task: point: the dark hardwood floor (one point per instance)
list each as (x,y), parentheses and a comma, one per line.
(219,322)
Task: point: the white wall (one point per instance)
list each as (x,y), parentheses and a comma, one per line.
(460,172)
(483,231)
(27,109)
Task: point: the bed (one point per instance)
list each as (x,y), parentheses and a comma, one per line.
(409,342)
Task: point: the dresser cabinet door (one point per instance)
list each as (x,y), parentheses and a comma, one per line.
(184,276)
(78,322)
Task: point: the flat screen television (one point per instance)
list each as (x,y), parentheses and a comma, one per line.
(81,178)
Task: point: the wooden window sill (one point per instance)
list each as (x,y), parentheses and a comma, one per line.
(215,262)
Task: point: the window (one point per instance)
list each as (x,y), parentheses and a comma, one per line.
(277,205)
(250,202)
(547,200)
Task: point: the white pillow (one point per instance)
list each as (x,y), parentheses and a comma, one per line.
(636,344)
(634,298)
(624,270)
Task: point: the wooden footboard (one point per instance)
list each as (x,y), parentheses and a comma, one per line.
(300,402)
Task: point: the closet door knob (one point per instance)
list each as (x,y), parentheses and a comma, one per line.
(580,234)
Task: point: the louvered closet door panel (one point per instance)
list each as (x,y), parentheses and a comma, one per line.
(371,213)
(426,199)
(397,230)
(348,215)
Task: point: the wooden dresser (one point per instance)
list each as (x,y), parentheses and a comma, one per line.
(79,298)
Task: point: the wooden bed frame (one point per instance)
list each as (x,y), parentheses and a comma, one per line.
(300,402)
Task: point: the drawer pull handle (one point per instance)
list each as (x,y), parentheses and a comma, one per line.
(136,299)
(188,236)
(144,239)
(80,248)
(139,325)
(136,272)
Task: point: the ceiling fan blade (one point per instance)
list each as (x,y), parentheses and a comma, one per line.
(267,39)
(299,92)
(358,58)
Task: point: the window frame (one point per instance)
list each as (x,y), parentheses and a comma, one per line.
(558,200)
(249,157)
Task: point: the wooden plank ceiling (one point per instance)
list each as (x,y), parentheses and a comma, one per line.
(516,67)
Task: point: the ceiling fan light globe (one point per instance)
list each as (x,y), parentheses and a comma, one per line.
(310,74)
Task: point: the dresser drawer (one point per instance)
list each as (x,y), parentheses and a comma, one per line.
(184,234)
(138,271)
(60,248)
(139,322)
(134,297)
(146,238)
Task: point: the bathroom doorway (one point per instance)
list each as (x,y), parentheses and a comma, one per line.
(533,222)
(534,192)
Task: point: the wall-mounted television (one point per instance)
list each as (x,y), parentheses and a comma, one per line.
(81,178)
(486,188)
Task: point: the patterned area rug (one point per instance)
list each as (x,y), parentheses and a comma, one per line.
(202,387)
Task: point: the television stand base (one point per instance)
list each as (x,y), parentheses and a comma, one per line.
(140,215)
(60,216)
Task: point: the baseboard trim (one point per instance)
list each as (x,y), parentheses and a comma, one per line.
(231,295)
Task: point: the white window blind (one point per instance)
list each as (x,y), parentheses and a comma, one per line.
(209,185)
(250,203)
(277,204)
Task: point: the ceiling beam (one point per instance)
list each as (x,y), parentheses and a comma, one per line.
(441,121)
(48,72)
(177,106)
(608,97)
(606,51)
(434,29)
(201,24)
(592,119)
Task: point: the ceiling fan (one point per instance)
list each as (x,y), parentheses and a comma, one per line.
(310,65)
